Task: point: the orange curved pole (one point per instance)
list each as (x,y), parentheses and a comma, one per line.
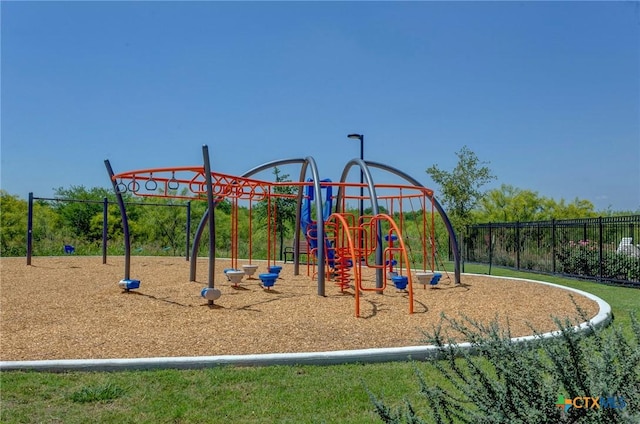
(400,240)
(352,251)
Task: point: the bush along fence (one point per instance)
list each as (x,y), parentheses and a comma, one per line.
(605,250)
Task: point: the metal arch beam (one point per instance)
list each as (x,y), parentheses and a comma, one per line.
(373,197)
(309,161)
(195,247)
(441,211)
(125,221)
(297,228)
(272,164)
(368,180)
(196,244)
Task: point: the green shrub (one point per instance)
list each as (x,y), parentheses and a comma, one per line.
(583,258)
(508,382)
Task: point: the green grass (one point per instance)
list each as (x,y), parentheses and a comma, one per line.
(295,394)
(282,394)
(105,393)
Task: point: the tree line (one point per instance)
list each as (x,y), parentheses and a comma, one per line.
(158,225)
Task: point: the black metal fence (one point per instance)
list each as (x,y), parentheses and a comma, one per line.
(606,249)
(105,216)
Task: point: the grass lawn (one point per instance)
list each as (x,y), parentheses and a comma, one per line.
(282,394)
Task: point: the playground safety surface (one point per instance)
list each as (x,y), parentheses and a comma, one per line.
(72,308)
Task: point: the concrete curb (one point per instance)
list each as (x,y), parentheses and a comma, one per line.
(602,318)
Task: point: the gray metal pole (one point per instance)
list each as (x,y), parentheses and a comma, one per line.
(105,223)
(125,222)
(361,202)
(196,245)
(373,198)
(212,232)
(30,229)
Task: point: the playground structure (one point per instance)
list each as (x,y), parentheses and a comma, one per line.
(340,243)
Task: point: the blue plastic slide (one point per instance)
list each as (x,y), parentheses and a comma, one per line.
(308,225)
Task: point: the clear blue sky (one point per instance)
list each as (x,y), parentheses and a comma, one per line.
(548,93)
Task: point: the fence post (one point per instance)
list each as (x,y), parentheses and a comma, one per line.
(105,226)
(188,227)
(465,252)
(553,245)
(30,229)
(464,248)
(518,245)
(600,247)
(490,248)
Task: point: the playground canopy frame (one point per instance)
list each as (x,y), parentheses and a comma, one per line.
(203,184)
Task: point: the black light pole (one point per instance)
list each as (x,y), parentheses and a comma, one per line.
(361,138)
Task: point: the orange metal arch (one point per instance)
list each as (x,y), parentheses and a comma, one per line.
(356,269)
(355,254)
(403,249)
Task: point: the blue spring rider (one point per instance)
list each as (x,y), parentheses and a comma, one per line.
(210,293)
(268,279)
(275,269)
(400,281)
(435,279)
(129,284)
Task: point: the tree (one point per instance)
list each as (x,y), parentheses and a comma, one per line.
(511,204)
(461,188)
(369,210)
(165,225)
(578,208)
(78,215)
(13,224)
